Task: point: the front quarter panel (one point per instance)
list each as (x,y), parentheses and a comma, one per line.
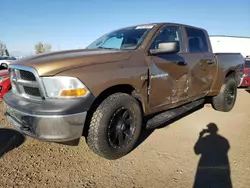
(100,77)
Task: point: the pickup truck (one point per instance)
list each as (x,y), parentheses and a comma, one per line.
(129,79)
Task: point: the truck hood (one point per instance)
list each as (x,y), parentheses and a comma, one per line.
(52,63)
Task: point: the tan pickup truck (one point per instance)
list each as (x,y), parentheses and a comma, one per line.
(107,90)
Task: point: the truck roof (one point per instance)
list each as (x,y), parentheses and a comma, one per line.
(230,36)
(163,23)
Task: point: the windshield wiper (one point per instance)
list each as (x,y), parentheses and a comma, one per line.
(101,47)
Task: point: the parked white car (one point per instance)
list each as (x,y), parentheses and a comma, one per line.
(5,61)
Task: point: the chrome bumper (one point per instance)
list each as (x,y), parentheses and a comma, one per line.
(56,128)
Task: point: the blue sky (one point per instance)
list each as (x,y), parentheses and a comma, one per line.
(69,24)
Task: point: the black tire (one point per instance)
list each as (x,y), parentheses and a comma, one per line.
(226,99)
(102,131)
(4,65)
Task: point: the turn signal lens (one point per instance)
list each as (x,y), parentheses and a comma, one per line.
(2,79)
(74,92)
(5,78)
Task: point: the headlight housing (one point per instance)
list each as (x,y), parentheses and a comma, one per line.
(64,87)
(2,79)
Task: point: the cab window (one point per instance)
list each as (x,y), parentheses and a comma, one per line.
(197,41)
(168,34)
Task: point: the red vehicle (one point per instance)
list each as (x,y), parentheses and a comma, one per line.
(5,84)
(245,79)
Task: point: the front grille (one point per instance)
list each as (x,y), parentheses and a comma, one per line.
(32,91)
(26,75)
(25,82)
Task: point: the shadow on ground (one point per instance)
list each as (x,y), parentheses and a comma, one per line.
(213,168)
(9,140)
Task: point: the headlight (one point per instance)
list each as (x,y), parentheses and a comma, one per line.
(64,87)
(2,79)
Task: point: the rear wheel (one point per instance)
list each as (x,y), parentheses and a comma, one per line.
(226,99)
(115,126)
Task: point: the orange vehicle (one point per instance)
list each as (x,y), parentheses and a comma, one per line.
(107,90)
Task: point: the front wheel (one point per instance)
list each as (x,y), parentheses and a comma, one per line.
(4,65)
(225,100)
(115,126)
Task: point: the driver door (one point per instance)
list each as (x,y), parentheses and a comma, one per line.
(168,72)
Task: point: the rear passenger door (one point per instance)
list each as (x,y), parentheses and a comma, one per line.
(201,62)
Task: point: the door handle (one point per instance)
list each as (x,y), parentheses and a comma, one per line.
(183,63)
(210,61)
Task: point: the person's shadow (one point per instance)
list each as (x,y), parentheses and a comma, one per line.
(9,140)
(213,170)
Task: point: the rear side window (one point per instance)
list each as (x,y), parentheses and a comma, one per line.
(197,41)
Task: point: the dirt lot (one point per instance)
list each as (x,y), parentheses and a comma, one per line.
(166,158)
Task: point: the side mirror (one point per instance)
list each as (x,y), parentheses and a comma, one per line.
(166,47)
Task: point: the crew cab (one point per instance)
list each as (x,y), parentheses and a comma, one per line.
(131,77)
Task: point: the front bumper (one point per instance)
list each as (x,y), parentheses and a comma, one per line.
(32,119)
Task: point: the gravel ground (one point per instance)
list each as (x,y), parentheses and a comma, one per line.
(166,158)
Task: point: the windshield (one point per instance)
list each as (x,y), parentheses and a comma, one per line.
(127,38)
(247,64)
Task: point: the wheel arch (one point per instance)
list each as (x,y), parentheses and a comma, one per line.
(219,80)
(122,88)
(230,72)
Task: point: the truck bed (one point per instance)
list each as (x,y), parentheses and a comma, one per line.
(234,60)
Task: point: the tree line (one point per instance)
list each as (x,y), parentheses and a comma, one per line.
(3,49)
(39,48)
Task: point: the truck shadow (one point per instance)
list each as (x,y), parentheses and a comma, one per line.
(9,140)
(147,132)
(213,168)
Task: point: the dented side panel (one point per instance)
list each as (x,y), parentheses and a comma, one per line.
(202,71)
(168,80)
